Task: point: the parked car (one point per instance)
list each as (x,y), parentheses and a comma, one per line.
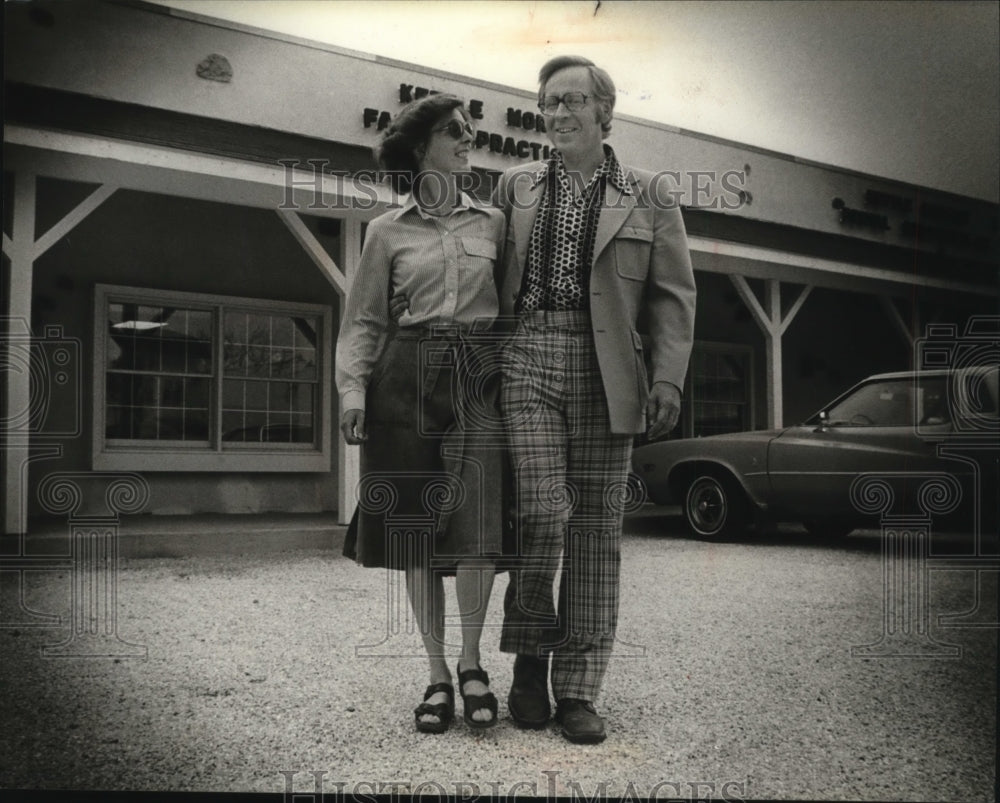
(898,424)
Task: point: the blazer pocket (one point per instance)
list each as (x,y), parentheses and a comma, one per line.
(633,246)
(480,247)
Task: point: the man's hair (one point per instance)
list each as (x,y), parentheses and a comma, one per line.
(604,87)
(409,132)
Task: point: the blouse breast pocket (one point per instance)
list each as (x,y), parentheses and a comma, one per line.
(633,246)
(480,247)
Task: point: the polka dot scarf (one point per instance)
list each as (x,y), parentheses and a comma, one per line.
(561,247)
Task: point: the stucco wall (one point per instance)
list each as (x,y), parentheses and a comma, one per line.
(149,57)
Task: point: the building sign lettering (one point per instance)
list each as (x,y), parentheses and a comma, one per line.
(408,92)
(491,141)
(529,121)
(884,200)
(859,217)
(922,221)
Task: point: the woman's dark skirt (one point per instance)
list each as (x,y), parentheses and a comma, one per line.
(433,466)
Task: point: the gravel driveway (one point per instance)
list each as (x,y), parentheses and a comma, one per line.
(734,679)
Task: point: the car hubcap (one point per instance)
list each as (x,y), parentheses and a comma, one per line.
(707,505)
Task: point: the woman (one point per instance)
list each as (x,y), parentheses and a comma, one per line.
(414,394)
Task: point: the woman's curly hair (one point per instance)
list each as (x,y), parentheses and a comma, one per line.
(409,131)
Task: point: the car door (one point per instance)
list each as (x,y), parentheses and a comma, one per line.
(870,430)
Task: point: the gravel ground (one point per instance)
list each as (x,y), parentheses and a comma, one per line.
(733,679)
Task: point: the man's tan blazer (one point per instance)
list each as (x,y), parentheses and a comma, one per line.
(641,264)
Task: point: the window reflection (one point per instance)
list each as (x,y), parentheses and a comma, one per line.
(269,365)
(158,361)
(160,375)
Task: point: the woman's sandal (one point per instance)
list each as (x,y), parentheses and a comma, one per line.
(476,702)
(444,712)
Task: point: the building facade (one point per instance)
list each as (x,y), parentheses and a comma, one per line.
(184,206)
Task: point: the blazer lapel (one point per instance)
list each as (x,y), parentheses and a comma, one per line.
(617,207)
(522,218)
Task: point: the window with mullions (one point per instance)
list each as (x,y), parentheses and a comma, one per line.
(720,385)
(718,391)
(269,384)
(159,372)
(188,382)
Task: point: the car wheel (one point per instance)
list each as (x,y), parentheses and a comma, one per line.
(829,528)
(715,507)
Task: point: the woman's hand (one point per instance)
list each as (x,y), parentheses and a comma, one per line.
(398,304)
(352,425)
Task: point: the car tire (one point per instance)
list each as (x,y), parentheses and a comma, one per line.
(715,507)
(829,529)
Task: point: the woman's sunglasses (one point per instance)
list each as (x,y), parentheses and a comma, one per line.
(456,130)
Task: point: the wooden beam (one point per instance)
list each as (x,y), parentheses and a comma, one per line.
(896,317)
(75,216)
(750,299)
(772,295)
(168,171)
(348,457)
(752,260)
(16,345)
(794,309)
(775,372)
(315,249)
(769,320)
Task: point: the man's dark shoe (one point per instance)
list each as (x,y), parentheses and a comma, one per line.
(528,700)
(580,721)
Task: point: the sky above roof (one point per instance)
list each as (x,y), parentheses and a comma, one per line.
(904,90)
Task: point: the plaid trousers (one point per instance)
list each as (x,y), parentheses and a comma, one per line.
(570,484)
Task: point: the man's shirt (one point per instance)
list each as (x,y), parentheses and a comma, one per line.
(561,249)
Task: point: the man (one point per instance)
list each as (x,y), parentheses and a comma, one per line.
(591,245)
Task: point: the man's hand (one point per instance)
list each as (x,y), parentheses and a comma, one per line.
(398,304)
(662,409)
(353,427)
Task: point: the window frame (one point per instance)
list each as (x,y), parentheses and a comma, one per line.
(216,455)
(687,404)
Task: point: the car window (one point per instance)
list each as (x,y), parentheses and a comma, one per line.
(892,403)
(932,406)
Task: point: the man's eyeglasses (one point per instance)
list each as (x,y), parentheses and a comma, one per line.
(456,130)
(573,101)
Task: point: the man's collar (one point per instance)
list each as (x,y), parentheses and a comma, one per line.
(616,173)
(552,162)
(610,167)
